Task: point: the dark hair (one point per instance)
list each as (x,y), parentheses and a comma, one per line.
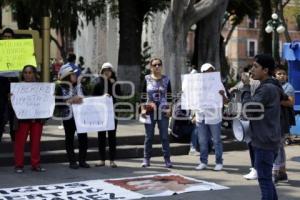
(8,30)
(34,70)
(266,61)
(71,57)
(280,67)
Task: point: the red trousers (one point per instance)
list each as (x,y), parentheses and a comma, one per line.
(35,131)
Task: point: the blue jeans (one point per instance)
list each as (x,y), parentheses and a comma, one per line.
(205,132)
(163,125)
(194,138)
(280,159)
(263,164)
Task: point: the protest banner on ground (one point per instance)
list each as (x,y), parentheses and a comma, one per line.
(201,91)
(123,188)
(33,100)
(16,53)
(94,114)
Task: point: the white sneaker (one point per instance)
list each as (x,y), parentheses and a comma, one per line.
(201,166)
(192,151)
(218,167)
(252,174)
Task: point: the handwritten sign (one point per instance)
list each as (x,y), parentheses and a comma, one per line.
(15,54)
(201,91)
(33,100)
(94,114)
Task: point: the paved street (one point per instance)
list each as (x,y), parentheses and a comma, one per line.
(236,164)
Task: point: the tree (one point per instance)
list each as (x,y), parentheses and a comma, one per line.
(182,15)
(64,16)
(132,15)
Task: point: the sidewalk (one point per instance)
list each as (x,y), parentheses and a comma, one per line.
(236,163)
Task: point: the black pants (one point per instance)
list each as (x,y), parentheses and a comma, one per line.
(112,142)
(70,129)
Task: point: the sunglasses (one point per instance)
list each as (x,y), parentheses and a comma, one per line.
(158,65)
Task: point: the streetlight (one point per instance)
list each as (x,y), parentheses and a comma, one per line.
(275,26)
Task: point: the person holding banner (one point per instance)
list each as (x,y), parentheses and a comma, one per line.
(32,127)
(6,77)
(156,99)
(69,93)
(208,122)
(106,85)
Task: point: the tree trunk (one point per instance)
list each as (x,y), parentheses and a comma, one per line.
(265,39)
(209,37)
(131,26)
(174,52)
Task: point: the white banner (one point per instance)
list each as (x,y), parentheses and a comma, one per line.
(201,91)
(94,114)
(124,188)
(33,100)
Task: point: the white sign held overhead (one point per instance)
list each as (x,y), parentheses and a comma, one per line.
(33,100)
(94,114)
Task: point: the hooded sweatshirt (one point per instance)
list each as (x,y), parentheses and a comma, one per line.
(265,132)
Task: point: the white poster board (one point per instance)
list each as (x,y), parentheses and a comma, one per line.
(201,91)
(33,100)
(94,114)
(123,189)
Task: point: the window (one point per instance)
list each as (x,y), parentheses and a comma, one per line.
(251,23)
(251,48)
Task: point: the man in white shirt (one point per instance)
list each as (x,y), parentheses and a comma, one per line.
(208,122)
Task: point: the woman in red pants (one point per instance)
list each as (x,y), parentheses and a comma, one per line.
(32,127)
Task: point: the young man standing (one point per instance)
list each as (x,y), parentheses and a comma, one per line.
(265,125)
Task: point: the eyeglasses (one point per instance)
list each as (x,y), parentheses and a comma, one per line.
(158,65)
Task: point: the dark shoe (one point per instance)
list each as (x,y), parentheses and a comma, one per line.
(168,163)
(19,170)
(38,169)
(146,162)
(73,165)
(113,164)
(100,164)
(84,165)
(282,177)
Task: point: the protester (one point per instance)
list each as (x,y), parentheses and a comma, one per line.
(71,93)
(287,119)
(237,91)
(194,135)
(156,99)
(106,85)
(6,110)
(72,63)
(265,125)
(208,122)
(32,127)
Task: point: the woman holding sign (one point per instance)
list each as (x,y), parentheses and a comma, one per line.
(156,99)
(34,127)
(106,85)
(69,93)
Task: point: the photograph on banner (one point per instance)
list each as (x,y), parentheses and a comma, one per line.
(94,189)
(201,91)
(33,100)
(16,53)
(94,114)
(164,185)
